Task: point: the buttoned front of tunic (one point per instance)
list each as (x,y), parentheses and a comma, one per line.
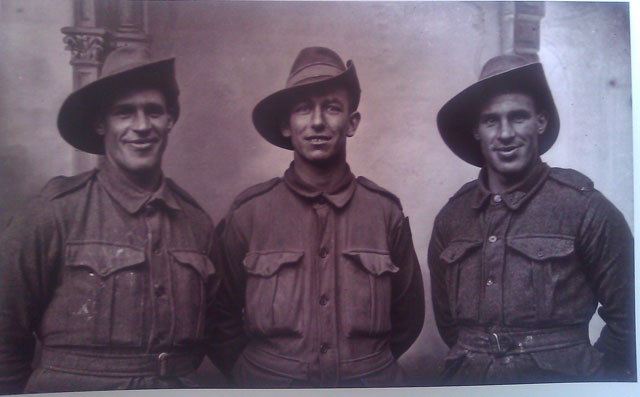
(516,278)
(329,282)
(117,283)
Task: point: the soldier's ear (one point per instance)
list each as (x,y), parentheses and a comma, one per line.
(354,121)
(285,129)
(476,135)
(542,120)
(98,126)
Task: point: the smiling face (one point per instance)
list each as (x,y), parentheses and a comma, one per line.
(508,129)
(318,126)
(135,127)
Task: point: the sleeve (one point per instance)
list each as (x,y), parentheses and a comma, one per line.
(439,296)
(605,245)
(29,253)
(407,306)
(228,336)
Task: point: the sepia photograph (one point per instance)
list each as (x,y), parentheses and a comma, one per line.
(403,197)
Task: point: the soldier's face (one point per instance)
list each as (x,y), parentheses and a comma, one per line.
(318,126)
(508,129)
(135,127)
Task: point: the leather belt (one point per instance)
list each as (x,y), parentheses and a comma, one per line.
(504,342)
(301,370)
(100,364)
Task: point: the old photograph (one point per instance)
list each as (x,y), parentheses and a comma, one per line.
(305,195)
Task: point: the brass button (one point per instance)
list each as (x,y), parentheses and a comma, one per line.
(497,198)
(324,348)
(324,252)
(159,290)
(489,281)
(493,239)
(323,300)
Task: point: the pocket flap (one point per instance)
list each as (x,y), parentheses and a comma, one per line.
(457,249)
(199,262)
(266,264)
(103,259)
(541,248)
(376,263)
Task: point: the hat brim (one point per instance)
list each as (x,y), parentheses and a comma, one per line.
(458,117)
(77,115)
(267,114)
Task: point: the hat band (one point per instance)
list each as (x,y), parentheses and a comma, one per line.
(323,71)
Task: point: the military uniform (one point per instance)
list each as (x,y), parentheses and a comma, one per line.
(117,283)
(329,282)
(516,278)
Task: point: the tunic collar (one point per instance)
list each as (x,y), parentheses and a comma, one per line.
(515,197)
(130,196)
(338,194)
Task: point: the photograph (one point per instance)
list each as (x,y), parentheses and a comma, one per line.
(364,196)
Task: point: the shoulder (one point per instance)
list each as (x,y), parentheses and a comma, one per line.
(466,189)
(373,187)
(254,192)
(182,194)
(63,185)
(571,178)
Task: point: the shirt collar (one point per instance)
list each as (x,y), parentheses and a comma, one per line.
(338,194)
(130,196)
(517,195)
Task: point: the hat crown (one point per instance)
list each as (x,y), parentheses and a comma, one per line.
(315,64)
(501,64)
(125,58)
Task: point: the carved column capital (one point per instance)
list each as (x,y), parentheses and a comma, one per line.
(87,45)
(521,27)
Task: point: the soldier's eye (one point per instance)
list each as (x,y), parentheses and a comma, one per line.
(302,108)
(333,108)
(155,110)
(520,116)
(488,120)
(122,111)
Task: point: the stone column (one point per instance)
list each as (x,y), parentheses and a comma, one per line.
(520,27)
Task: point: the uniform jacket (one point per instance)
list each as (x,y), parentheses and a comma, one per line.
(109,278)
(539,257)
(329,282)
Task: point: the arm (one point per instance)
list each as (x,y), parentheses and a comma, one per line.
(228,336)
(605,245)
(439,296)
(29,253)
(407,305)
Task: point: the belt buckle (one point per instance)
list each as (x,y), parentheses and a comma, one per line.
(163,364)
(502,342)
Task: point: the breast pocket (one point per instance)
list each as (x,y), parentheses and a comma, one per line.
(540,280)
(274,293)
(104,292)
(367,292)
(463,277)
(191,272)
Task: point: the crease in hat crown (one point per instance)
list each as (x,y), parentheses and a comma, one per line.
(312,68)
(123,59)
(501,64)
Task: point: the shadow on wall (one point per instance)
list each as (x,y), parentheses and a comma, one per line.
(16,172)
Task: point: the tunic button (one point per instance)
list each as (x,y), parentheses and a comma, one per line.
(490,281)
(493,239)
(159,290)
(321,200)
(497,198)
(540,254)
(324,252)
(324,348)
(323,300)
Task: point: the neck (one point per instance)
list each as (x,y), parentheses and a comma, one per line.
(320,176)
(501,182)
(147,181)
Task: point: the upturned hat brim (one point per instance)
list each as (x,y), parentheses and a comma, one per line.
(77,116)
(268,113)
(458,117)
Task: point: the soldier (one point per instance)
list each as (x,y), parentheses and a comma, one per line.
(521,257)
(322,262)
(111,269)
